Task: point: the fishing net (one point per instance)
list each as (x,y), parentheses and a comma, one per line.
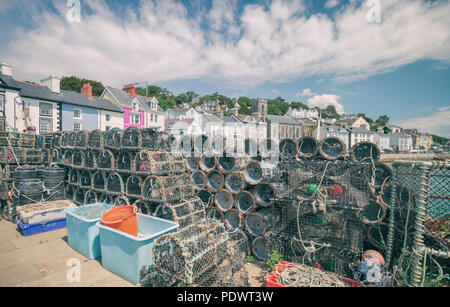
(99,181)
(113,138)
(106,198)
(132,139)
(143,207)
(85,179)
(204,254)
(81,138)
(34,156)
(115,184)
(89,160)
(105,160)
(68,157)
(90,197)
(125,162)
(121,201)
(74,176)
(185,213)
(133,186)
(167,188)
(95,140)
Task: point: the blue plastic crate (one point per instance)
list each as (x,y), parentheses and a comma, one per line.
(32,229)
(82,229)
(126,255)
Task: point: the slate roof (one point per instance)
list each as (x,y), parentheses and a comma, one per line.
(41,92)
(125,99)
(284,120)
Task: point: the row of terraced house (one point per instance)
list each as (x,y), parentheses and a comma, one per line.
(45,107)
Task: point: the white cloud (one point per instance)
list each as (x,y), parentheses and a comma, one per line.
(275,91)
(158,41)
(306,93)
(325,100)
(331,3)
(436,123)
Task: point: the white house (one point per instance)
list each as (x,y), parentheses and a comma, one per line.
(303,113)
(401,141)
(382,141)
(358,135)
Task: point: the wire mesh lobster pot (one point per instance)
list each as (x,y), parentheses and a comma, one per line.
(27,191)
(131,139)
(81,138)
(332,148)
(54,156)
(53,183)
(171,188)
(71,140)
(143,207)
(79,195)
(99,181)
(365,151)
(68,157)
(96,140)
(56,140)
(90,197)
(85,180)
(89,160)
(46,156)
(113,138)
(115,184)
(307,147)
(121,200)
(185,213)
(157,163)
(106,160)
(74,177)
(61,157)
(106,198)
(204,254)
(133,186)
(78,159)
(69,192)
(151,139)
(234,182)
(288,149)
(34,156)
(125,162)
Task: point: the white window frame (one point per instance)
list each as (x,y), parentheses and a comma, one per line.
(135,119)
(41,104)
(50,125)
(107,117)
(80,115)
(81,128)
(2,104)
(135,106)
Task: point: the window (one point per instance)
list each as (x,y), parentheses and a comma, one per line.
(135,119)
(151,117)
(45,125)
(156,117)
(45,109)
(2,105)
(107,117)
(76,126)
(76,113)
(108,128)
(135,106)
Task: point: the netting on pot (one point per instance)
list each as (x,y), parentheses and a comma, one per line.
(133,186)
(151,139)
(90,197)
(68,157)
(207,162)
(226,164)
(125,162)
(201,144)
(85,180)
(167,188)
(143,207)
(121,200)
(113,138)
(81,138)
(90,160)
(65,139)
(253,173)
(233,220)
(268,148)
(78,197)
(74,177)
(257,223)
(157,163)
(287,149)
(332,148)
(56,141)
(365,151)
(105,160)
(198,178)
(235,182)
(186,145)
(224,200)
(99,181)
(71,141)
(115,184)
(214,181)
(132,138)
(185,213)
(106,198)
(96,140)
(192,164)
(33,156)
(217,145)
(206,197)
(245,202)
(264,194)
(78,159)
(307,147)
(69,192)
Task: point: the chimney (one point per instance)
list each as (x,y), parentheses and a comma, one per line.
(6,69)
(130,89)
(53,83)
(86,90)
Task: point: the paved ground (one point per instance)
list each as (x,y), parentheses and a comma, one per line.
(41,261)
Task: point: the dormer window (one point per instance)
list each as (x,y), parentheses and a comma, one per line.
(135,106)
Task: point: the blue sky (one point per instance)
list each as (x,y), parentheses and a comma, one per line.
(317,51)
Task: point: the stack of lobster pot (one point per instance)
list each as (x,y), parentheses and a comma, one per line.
(27,187)
(53,183)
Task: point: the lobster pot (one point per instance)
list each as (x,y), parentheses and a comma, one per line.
(53,182)
(206,197)
(61,157)
(99,181)
(226,164)
(198,179)
(245,202)
(27,191)
(171,189)
(106,198)
(89,160)
(214,213)
(74,177)
(56,140)
(192,164)
(95,140)
(224,200)
(207,162)
(46,156)
(121,200)
(251,147)
(259,222)
(143,207)
(90,197)
(167,142)
(34,156)
(332,148)
(81,138)
(132,139)
(78,159)
(376,176)
(54,156)
(105,160)
(85,179)
(201,144)
(217,145)
(214,181)
(288,149)
(133,186)
(124,162)
(232,220)
(66,139)
(234,182)
(307,147)
(365,151)
(115,184)
(186,145)
(253,173)
(264,194)
(69,192)
(268,148)
(185,213)
(151,139)
(157,163)
(71,142)
(78,196)
(113,138)
(260,248)
(27,140)
(204,254)
(68,157)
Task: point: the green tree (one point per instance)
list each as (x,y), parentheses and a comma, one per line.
(74,84)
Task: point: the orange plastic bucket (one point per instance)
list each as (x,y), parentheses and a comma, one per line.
(122,218)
